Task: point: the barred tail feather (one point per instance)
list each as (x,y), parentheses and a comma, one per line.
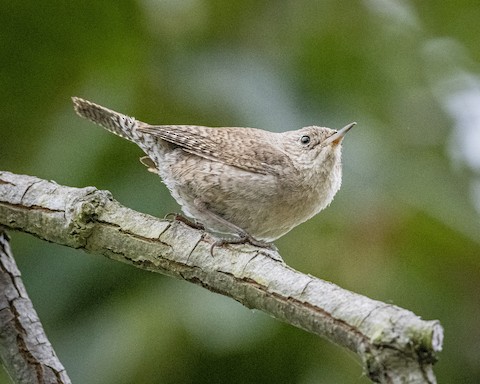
(117,123)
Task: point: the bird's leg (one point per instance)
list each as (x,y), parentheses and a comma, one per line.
(242,236)
(245,238)
(183,219)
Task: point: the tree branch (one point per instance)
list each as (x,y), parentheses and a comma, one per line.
(394,345)
(25,351)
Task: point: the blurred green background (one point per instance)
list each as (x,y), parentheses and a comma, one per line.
(404,228)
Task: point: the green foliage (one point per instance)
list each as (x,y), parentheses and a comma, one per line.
(404,227)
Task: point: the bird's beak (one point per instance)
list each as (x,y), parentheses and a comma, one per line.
(337,137)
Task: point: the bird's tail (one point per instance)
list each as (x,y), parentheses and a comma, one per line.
(112,121)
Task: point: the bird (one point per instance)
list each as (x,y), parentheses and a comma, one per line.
(250,184)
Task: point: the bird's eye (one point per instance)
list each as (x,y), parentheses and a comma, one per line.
(305,139)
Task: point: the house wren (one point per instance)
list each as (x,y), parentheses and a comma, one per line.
(250,183)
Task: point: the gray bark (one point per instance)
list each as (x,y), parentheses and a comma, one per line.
(25,351)
(394,345)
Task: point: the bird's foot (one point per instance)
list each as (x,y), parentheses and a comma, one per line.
(244,238)
(183,219)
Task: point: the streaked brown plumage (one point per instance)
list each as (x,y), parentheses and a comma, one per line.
(240,181)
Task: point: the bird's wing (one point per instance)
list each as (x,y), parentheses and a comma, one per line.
(245,148)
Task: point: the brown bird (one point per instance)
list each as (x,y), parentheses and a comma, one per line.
(253,184)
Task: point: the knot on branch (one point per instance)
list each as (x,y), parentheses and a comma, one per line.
(412,349)
(82,212)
